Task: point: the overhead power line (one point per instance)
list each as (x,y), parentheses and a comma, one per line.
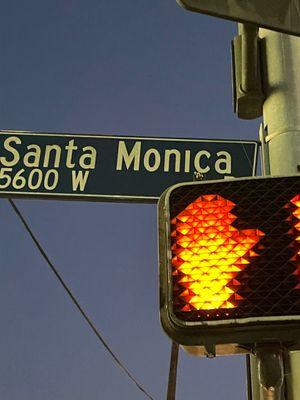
(73,298)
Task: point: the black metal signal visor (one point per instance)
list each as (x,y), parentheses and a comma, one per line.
(229,255)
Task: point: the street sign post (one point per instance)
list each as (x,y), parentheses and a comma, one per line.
(113,168)
(278,15)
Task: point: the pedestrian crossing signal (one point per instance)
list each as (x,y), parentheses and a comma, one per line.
(230,262)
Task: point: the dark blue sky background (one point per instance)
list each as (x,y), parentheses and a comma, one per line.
(109,67)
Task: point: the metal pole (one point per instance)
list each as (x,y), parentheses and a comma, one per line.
(281,127)
(171,395)
(281,109)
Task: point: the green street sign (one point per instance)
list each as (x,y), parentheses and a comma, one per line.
(278,15)
(113,168)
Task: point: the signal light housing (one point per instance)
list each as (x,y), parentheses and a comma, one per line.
(283,17)
(230,263)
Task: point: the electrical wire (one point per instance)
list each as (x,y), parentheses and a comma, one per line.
(71,295)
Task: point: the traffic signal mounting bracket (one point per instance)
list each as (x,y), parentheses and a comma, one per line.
(248,96)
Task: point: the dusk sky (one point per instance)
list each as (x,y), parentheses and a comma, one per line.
(135,68)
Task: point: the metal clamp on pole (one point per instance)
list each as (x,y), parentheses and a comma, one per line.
(248,96)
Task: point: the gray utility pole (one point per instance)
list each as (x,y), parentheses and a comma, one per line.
(280,136)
